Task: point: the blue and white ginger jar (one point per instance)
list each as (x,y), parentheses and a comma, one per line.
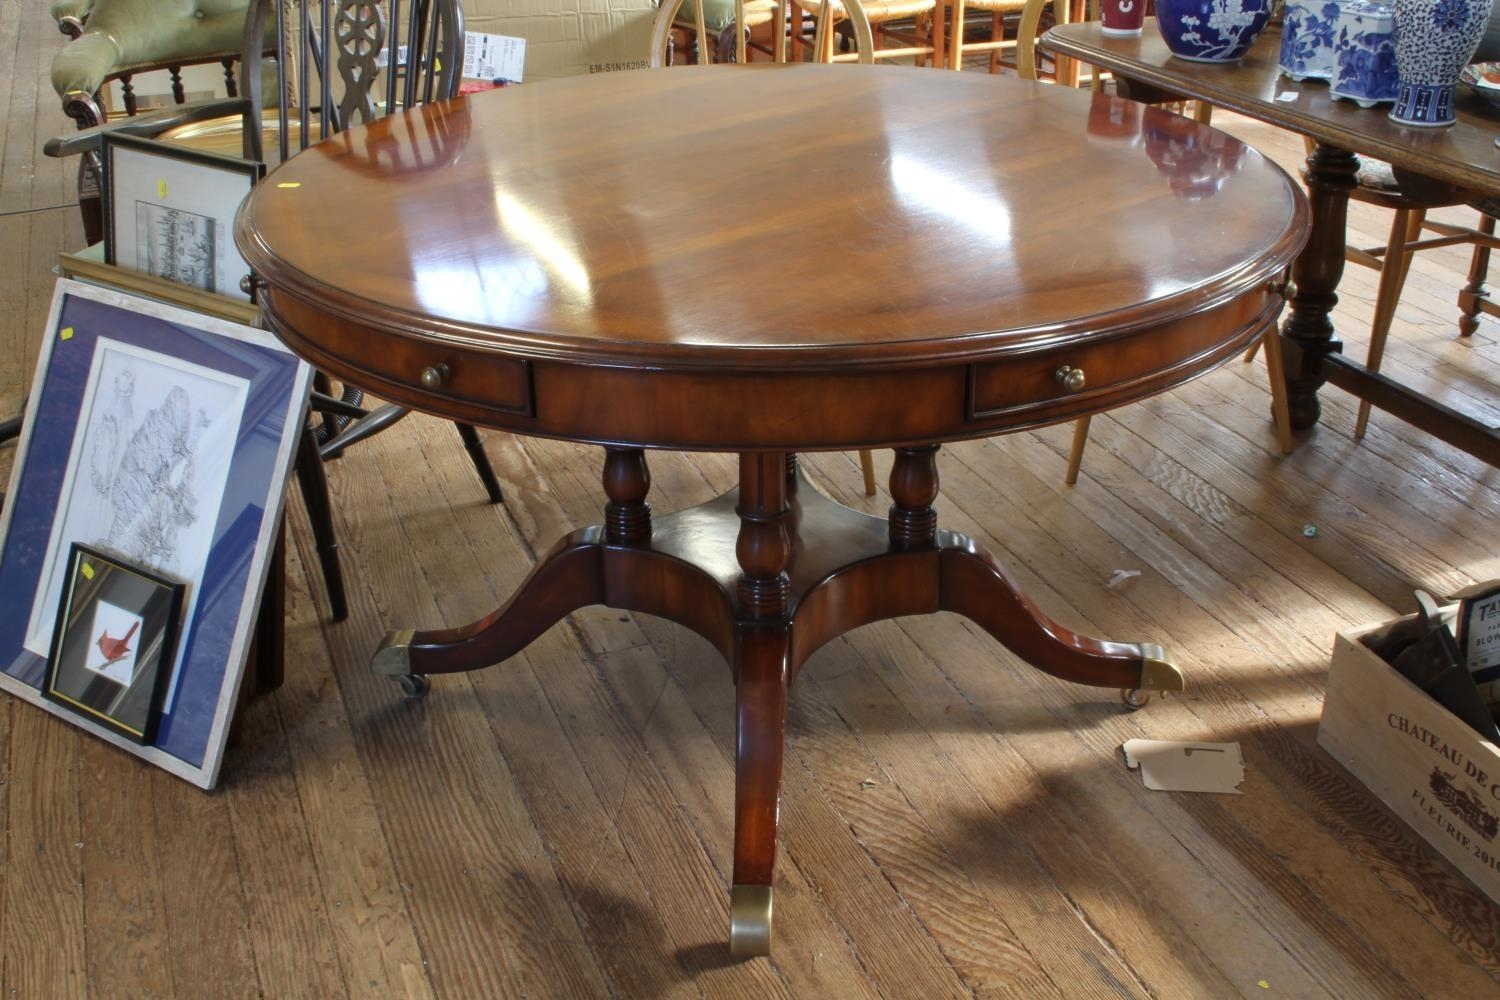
(1364,54)
(1211,30)
(1434,41)
(1307,36)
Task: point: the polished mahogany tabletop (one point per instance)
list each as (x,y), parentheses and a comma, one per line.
(794,218)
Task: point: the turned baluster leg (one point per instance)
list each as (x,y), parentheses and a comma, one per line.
(762,645)
(627,480)
(179,95)
(914,486)
(127,92)
(1317,270)
(231,86)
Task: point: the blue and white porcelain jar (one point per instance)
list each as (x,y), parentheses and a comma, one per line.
(1434,41)
(1211,30)
(1307,35)
(1364,54)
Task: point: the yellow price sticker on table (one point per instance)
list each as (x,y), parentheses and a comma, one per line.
(87,571)
(161,190)
(290,184)
(66,333)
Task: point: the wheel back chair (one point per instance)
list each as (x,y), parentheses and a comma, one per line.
(320,89)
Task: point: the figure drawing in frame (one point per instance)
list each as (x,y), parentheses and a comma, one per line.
(148,464)
(117,627)
(161,438)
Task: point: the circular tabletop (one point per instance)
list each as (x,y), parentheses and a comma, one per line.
(775,222)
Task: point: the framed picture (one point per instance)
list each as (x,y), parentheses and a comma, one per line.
(116,629)
(169,212)
(163,437)
(1479,638)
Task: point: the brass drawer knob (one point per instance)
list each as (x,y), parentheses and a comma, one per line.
(435,376)
(1285,287)
(1070,378)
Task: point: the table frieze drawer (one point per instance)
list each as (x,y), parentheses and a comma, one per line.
(478,378)
(1128,366)
(405,371)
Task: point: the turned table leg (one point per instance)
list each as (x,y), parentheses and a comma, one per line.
(1317,270)
(762,650)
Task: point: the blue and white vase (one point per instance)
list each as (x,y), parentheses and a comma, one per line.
(1364,54)
(1434,41)
(1212,31)
(1307,34)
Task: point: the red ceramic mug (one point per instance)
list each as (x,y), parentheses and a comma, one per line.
(1122,17)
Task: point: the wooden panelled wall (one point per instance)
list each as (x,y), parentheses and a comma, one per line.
(953,824)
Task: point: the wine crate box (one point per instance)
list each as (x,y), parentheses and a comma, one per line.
(1435,772)
(569,37)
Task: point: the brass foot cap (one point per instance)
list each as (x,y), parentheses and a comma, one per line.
(1157,672)
(750,921)
(393,656)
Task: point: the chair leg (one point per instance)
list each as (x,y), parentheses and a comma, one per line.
(1474,292)
(1276,374)
(313,482)
(956,41)
(1251,352)
(997,35)
(1405,227)
(475,448)
(867,466)
(1075,454)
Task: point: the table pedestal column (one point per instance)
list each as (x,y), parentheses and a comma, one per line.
(768,573)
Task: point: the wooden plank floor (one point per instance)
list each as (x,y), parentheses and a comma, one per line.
(953,823)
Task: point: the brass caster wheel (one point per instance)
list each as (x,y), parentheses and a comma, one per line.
(1134,698)
(414,686)
(750,921)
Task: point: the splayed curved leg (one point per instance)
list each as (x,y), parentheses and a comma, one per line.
(760,729)
(762,652)
(974,585)
(567,578)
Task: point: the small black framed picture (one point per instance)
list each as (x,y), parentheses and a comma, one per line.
(113,643)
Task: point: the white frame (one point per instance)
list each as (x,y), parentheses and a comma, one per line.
(208,668)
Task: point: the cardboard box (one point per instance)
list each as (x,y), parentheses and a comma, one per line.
(1434,771)
(569,37)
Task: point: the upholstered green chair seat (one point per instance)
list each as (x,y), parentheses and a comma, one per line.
(70,8)
(124,36)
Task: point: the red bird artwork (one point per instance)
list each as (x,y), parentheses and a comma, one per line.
(115,650)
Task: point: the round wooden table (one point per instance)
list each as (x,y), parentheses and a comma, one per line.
(769,260)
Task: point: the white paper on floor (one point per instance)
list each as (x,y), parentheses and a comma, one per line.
(1177,766)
